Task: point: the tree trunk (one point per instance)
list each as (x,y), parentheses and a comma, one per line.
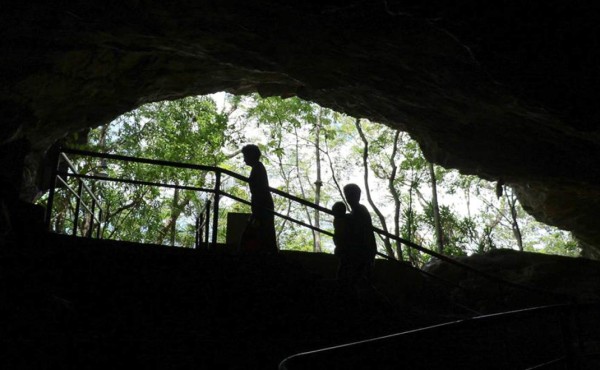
(314,233)
(386,241)
(318,182)
(410,221)
(436,210)
(169,227)
(395,194)
(173,229)
(512,203)
(59,222)
(333,175)
(286,179)
(86,224)
(486,237)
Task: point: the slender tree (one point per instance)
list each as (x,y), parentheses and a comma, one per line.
(436,210)
(365,162)
(514,223)
(395,193)
(318,181)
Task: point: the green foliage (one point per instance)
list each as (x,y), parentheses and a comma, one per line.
(289,132)
(189,130)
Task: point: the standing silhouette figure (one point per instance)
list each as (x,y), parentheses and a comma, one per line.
(363,247)
(259,235)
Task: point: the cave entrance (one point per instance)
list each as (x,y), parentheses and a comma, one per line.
(310,152)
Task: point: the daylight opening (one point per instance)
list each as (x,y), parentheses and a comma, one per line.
(310,152)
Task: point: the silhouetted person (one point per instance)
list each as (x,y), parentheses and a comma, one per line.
(260,231)
(345,250)
(362,246)
(341,229)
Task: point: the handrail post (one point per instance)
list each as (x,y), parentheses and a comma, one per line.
(99,222)
(216,207)
(92,216)
(48,216)
(196,232)
(206,228)
(76,216)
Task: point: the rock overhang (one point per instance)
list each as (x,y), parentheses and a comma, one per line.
(503,91)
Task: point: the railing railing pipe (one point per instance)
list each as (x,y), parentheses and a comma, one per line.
(197,232)
(74,174)
(218,171)
(77,206)
(146,161)
(217,193)
(70,190)
(552,364)
(98,229)
(238,199)
(92,219)
(333,356)
(300,200)
(216,208)
(464,266)
(138,182)
(206,228)
(202,223)
(192,166)
(50,204)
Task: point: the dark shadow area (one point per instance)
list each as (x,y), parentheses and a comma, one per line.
(81,303)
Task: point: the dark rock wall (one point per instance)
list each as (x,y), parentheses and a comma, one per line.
(540,279)
(499,89)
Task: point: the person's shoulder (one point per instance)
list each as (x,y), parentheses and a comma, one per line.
(362,210)
(258,170)
(340,220)
(363,213)
(261,167)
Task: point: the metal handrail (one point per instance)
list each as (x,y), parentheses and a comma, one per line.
(193,167)
(216,170)
(218,192)
(202,224)
(309,226)
(76,195)
(59,176)
(336,355)
(138,182)
(72,167)
(79,195)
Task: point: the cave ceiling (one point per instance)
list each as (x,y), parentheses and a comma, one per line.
(503,90)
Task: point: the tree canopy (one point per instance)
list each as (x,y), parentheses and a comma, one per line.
(310,152)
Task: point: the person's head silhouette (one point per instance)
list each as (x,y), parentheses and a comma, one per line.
(352,193)
(338,209)
(251,154)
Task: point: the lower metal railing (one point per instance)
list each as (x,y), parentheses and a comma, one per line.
(548,337)
(94,209)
